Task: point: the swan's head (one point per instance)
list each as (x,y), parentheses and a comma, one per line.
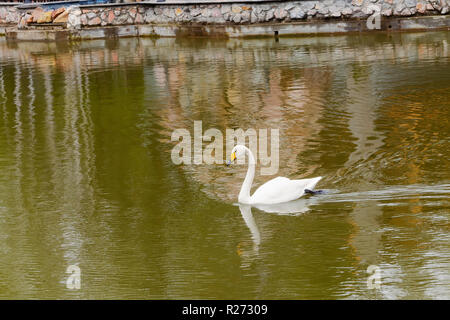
(238,152)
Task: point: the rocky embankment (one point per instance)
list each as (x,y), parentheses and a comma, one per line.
(228,19)
(221,13)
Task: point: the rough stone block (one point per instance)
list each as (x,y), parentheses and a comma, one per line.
(62,18)
(37,13)
(46,17)
(57,12)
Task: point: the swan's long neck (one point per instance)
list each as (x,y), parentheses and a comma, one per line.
(244,195)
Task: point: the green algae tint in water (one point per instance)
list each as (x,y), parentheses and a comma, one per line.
(86,176)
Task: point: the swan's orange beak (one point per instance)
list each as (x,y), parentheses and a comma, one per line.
(232,158)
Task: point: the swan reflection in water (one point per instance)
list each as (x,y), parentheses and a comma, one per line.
(293,208)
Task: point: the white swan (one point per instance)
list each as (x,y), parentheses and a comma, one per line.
(277,190)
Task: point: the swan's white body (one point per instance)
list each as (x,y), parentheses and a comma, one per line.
(277,190)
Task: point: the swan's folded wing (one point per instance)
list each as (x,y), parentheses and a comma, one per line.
(282,189)
(277,190)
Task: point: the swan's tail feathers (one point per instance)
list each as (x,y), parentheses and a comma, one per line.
(313,183)
(309,188)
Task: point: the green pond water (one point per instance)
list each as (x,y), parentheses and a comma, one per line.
(87,179)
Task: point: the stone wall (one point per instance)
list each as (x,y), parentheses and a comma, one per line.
(9,14)
(232,13)
(246,13)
